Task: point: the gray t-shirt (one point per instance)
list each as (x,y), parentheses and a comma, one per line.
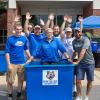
(84,43)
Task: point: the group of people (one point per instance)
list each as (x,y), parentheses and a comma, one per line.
(49,44)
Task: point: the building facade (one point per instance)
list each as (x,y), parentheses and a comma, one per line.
(41,9)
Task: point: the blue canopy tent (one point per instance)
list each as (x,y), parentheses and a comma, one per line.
(90,22)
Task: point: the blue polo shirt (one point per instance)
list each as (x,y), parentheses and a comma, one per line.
(15,46)
(35,44)
(49,50)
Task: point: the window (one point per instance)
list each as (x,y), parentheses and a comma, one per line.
(3,36)
(36,18)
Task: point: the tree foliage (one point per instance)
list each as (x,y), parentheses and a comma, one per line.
(3,6)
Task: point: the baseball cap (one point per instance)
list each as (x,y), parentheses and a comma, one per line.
(68,29)
(37,26)
(77,29)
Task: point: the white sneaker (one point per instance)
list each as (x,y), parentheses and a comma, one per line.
(10,98)
(86,98)
(78,98)
(74,88)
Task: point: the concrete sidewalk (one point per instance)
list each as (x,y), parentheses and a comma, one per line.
(95,93)
(96,78)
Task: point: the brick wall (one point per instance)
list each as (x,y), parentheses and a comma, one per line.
(88,10)
(6,21)
(3,21)
(96,12)
(11,13)
(3,25)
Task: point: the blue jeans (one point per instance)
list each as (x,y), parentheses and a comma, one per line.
(81,69)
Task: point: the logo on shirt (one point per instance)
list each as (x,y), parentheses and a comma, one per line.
(50,77)
(19,43)
(78,45)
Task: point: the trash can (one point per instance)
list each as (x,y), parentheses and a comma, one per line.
(3,65)
(98,50)
(49,82)
(94,46)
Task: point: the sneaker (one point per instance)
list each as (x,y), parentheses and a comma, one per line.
(18,96)
(74,94)
(78,98)
(74,88)
(86,98)
(10,98)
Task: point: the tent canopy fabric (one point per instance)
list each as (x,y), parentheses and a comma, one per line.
(90,22)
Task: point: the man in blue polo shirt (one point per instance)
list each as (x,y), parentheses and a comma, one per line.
(15,46)
(49,48)
(34,38)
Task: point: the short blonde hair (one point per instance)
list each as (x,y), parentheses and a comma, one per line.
(49,29)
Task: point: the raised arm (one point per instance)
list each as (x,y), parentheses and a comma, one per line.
(52,21)
(16,21)
(28,17)
(64,24)
(69,21)
(80,18)
(49,23)
(42,24)
(62,33)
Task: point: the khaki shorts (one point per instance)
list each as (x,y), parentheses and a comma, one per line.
(17,69)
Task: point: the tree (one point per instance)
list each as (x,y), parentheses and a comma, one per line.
(3,6)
